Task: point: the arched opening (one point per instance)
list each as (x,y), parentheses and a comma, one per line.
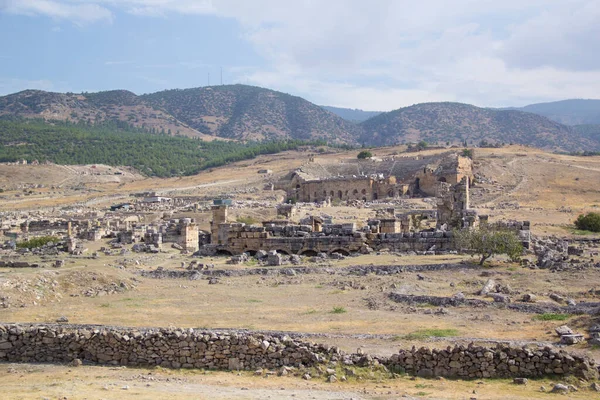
(223,252)
(364,191)
(375,196)
(287,253)
(324,193)
(308,253)
(308,198)
(442,179)
(355,192)
(331,194)
(341,251)
(391,193)
(340,194)
(297,187)
(417,182)
(251,253)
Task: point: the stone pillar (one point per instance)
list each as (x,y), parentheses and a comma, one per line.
(219,212)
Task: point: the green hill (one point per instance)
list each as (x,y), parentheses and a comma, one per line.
(457,123)
(251,113)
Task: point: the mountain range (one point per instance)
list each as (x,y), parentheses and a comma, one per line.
(242,112)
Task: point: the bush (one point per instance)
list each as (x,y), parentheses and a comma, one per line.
(338,310)
(588,222)
(364,154)
(467,153)
(551,317)
(37,242)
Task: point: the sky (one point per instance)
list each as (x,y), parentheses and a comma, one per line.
(367,54)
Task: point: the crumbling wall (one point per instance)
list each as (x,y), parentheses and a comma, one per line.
(247,350)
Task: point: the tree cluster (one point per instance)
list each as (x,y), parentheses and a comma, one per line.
(118,144)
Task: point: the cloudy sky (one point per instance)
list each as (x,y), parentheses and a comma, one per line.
(368,54)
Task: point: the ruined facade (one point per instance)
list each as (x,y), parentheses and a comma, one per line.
(390,231)
(370,180)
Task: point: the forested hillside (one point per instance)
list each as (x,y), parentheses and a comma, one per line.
(119,144)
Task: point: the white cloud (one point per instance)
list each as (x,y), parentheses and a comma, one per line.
(384,54)
(79,12)
(11,85)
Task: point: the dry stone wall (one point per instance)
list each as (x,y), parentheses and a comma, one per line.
(232,350)
(484,362)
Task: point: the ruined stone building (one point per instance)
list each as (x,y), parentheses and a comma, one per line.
(370,180)
(390,231)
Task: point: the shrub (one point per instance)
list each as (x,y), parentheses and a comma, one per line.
(364,154)
(338,310)
(588,222)
(37,242)
(467,153)
(551,317)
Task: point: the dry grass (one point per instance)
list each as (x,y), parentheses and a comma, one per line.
(28,381)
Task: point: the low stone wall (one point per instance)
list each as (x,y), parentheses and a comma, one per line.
(358,270)
(484,362)
(170,348)
(18,264)
(232,350)
(591,308)
(413,241)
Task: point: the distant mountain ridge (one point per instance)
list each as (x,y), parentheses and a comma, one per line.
(242,112)
(457,122)
(568,112)
(352,114)
(238,112)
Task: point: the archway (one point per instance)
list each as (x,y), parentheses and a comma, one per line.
(309,253)
(375,196)
(223,252)
(340,194)
(391,193)
(341,251)
(280,251)
(442,179)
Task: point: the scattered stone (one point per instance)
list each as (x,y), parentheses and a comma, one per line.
(520,381)
(563,330)
(62,320)
(76,363)
(487,288)
(560,388)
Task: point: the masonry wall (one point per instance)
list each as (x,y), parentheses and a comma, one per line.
(362,188)
(192,348)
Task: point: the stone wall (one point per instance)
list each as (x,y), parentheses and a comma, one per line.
(485,362)
(193,348)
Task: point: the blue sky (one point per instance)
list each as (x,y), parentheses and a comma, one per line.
(374,55)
